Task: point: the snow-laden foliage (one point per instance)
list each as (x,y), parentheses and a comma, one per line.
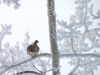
(78,37)
(14,60)
(15,2)
(76,41)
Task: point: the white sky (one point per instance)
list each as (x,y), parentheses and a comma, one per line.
(32,17)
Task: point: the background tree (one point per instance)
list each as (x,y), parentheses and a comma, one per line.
(76,41)
(80,40)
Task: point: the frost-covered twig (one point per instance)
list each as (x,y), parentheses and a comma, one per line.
(52,69)
(15,2)
(35,67)
(84,18)
(72,48)
(12,56)
(88,63)
(91,13)
(6,30)
(44,66)
(75,68)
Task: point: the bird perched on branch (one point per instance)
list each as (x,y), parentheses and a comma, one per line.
(33,49)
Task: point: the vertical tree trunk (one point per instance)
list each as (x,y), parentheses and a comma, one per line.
(53,38)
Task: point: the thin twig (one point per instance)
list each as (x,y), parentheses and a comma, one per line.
(12,56)
(72,48)
(76,66)
(42,63)
(84,20)
(35,67)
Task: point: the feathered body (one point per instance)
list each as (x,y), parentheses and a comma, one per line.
(33,49)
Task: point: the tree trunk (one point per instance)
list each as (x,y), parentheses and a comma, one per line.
(53,38)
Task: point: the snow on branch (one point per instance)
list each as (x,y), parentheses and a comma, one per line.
(42,73)
(25,61)
(14,59)
(15,2)
(80,55)
(75,68)
(91,12)
(6,30)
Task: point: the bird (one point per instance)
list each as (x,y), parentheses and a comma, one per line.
(33,49)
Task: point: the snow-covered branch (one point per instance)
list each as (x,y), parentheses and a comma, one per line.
(37,73)
(91,12)
(75,68)
(25,61)
(80,55)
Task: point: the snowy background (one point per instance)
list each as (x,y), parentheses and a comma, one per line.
(32,17)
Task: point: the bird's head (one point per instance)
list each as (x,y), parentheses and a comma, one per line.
(36,41)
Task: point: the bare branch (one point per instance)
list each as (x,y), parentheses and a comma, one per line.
(28,72)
